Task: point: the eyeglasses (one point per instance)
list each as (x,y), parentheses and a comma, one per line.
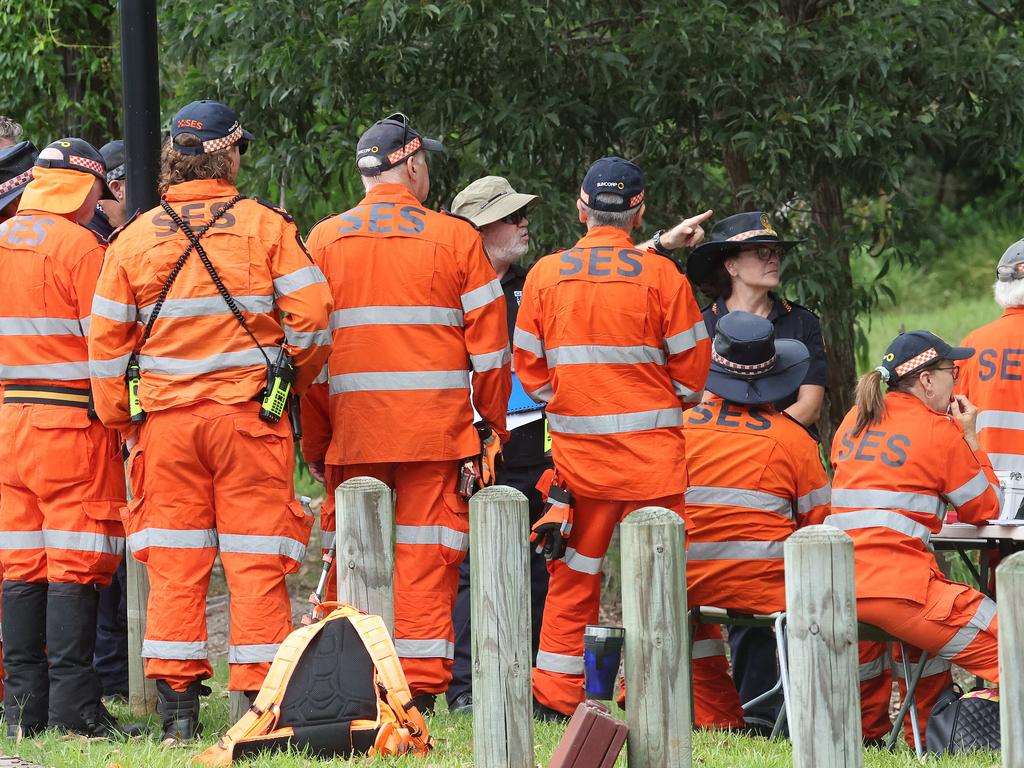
(764,254)
(515,217)
(954,370)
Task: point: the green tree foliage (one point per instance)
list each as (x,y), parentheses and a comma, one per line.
(58,71)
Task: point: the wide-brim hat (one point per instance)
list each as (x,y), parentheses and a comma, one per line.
(728,237)
(750,366)
(15,170)
(490,199)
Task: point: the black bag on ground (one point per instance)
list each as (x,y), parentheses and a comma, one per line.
(961,722)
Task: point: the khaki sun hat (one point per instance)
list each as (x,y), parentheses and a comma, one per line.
(489,199)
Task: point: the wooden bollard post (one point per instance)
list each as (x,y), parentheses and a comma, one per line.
(365,550)
(657,644)
(500,617)
(1010,587)
(141,692)
(821,608)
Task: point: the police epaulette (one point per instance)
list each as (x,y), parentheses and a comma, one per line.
(446,212)
(116,232)
(280,211)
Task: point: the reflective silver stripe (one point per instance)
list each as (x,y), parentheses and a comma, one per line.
(176,366)
(876,499)
(356,316)
(528,342)
(615,423)
(966,634)
(936,665)
(252,654)
(297,280)
(54,371)
(85,322)
(1007,462)
(686,394)
(557,662)
(735,550)
(878,518)
(253,544)
(22,540)
(687,339)
(582,563)
(173,649)
(323,376)
(437,535)
(739,497)
(585,354)
(1000,420)
(970,490)
(482,296)
(542,395)
(869,670)
(307,339)
(114,310)
(424,649)
(173,539)
(490,361)
(204,306)
(381,381)
(327,539)
(108,369)
(40,326)
(84,542)
(707,649)
(815,498)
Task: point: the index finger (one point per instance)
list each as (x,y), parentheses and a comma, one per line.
(699,219)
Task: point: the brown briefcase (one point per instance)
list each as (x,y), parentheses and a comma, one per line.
(593,739)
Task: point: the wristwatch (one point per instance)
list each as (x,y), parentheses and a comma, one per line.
(656,242)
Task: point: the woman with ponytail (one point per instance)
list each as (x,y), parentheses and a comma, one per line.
(900,457)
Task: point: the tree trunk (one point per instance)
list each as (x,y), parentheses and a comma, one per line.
(738,172)
(838,323)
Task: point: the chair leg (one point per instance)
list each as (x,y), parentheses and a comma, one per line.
(782,644)
(909,704)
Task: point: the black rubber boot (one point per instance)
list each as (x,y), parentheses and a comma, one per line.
(179,712)
(75,688)
(27,684)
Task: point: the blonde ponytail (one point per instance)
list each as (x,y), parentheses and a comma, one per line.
(869,400)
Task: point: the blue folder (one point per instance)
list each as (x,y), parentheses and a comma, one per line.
(520,402)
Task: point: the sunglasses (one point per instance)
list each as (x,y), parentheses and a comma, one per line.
(515,217)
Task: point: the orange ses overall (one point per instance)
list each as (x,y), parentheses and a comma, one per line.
(890,490)
(611,338)
(208,474)
(755,476)
(418,315)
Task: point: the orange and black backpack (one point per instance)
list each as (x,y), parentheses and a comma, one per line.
(335,687)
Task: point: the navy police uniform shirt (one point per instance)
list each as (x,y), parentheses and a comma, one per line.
(100,224)
(791,321)
(525,447)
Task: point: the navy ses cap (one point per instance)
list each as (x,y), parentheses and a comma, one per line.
(619,183)
(913,350)
(1011,265)
(749,365)
(388,142)
(214,123)
(16,170)
(113,158)
(74,155)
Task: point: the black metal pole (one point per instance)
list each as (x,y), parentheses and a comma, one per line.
(140,83)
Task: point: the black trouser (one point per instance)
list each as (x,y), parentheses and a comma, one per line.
(111,659)
(523,479)
(755,668)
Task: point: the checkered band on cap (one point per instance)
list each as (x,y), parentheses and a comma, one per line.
(916,362)
(22,178)
(224,141)
(404,152)
(85,162)
(752,233)
(635,200)
(740,368)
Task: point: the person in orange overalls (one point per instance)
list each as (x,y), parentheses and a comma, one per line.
(60,469)
(899,459)
(419,315)
(207,327)
(610,337)
(755,475)
(992,378)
